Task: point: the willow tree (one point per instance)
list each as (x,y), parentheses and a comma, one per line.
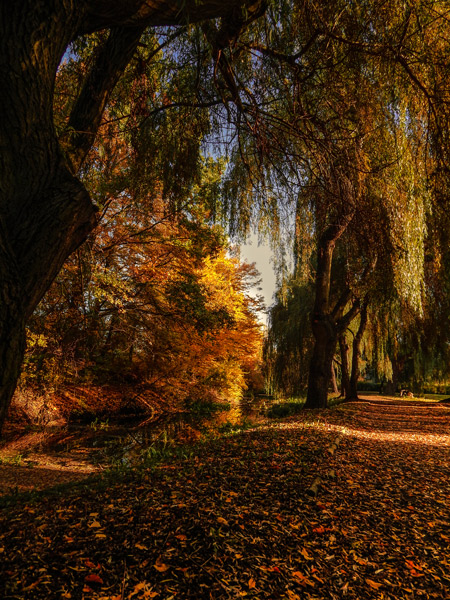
(45,210)
(327,107)
(287,347)
(345,92)
(320,126)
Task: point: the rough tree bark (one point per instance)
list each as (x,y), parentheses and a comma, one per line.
(45,211)
(327,322)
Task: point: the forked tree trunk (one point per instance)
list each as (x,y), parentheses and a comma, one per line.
(327,322)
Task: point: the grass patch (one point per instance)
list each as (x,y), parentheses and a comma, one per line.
(228,427)
(286,408)
(205,409)
(293,406)
(435,397)
(15,460)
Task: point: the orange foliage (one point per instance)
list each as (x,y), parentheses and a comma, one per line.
(154,299)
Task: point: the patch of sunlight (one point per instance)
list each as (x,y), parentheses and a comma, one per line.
(404,437)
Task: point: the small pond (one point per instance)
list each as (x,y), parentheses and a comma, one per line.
(115,444)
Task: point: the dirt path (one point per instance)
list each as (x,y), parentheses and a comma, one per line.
(234,519)
(391,501)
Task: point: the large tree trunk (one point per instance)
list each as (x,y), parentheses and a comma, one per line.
(323,325)
(321,362)
(327,322)
(12,325)
(45,212)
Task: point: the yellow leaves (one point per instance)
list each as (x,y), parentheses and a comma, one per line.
(414,569)
(160,565)
(222,521)
(373,584)
(302,579)
(36,340)
(251,583)
(144,591)
(218,276)
(305,554)
(94,524)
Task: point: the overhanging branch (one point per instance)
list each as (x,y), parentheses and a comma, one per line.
(87,113)
(103,14)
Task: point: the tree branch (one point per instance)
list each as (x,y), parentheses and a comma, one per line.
(346,319)
(87,113)
(102,14)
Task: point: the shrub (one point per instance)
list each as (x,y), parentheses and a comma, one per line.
(285,409)
(369,386)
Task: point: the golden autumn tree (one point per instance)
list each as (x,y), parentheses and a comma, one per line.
(155,300)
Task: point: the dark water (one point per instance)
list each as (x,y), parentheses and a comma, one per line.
(113,445)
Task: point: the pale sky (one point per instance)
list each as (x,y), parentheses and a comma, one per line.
(262,256)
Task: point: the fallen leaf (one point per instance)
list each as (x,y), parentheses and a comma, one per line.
(305,554)
(412,566)
(160,565)
(302,579)
(373,584)
(321,529)
(273,570)
(93,578)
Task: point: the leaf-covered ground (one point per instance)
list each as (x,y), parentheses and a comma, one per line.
(234,519)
